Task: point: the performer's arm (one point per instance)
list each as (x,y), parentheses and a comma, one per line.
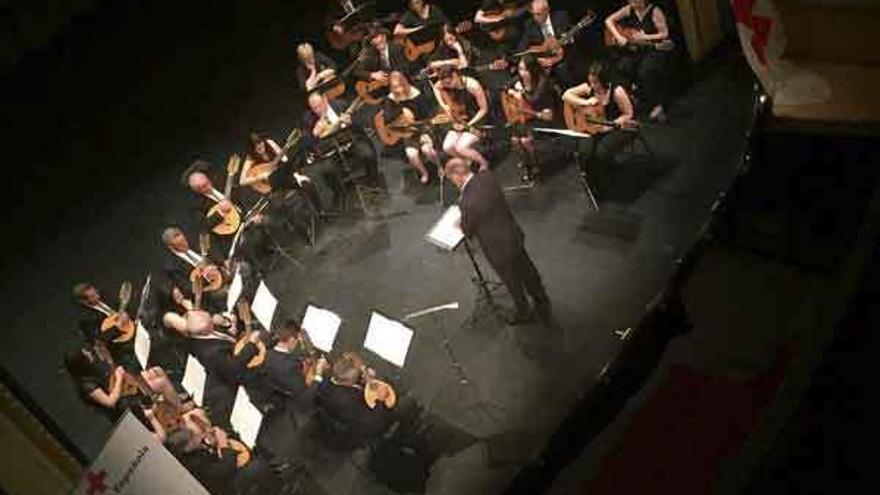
(477,91)
(611,23)
(625,104)
(577,95)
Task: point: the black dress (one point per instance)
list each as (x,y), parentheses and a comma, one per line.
(645,68)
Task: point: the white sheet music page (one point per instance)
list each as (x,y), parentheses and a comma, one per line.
(388,338)
(245,418)
(447,233)
(194,377)
(321,326)
(142,345)
(235,288)
(264,305)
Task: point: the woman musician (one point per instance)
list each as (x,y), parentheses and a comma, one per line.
(314,67)
(407,104)
(535,99)
(453,51)
(612,104)
(464,99)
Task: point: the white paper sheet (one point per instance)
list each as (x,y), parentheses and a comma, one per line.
(245,418)
(194,377)
(264,305)
(141,344)
(321,326)
(234,293)
(388,338)
(446,233)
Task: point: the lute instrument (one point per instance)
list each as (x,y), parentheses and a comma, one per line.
(375,390)
(232,219)
(244,312)
(323,128)
(262,171)
(213,278)
(128,328)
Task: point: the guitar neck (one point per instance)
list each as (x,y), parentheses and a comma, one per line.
(567,38)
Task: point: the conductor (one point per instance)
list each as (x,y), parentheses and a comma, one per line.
(486,216)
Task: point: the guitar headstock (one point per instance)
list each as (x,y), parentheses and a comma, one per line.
(233,165)
(204,243)
(292,139)
(568,37)
(124,294)
(244,313)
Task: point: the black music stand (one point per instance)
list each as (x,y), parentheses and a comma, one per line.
(486,289)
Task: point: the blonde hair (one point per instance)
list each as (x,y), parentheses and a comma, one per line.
(305,50)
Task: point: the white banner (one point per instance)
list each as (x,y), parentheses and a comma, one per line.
(133,462)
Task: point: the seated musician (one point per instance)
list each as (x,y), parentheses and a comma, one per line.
(615,106)
(92,312)
(325,118)
(102,383)
(420,23)
(453,51)
(502,20)
(408,103)
(537,90)
(314,67)
(197,178)
(383,56)
(180,260)
(343,413)
(464,99)
(545,25)
(646,68)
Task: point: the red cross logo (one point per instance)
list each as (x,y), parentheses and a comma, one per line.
(759,25)
(96,482)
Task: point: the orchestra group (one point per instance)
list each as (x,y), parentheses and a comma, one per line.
(423,86)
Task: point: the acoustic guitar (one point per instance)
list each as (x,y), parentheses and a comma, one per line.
(325,129)
(200,275)
(242,452)
(333,86)
(584,118)
(244,312)
(265,169)
(517,110)
(232,218)
(634,44)
(413,51)
(404,126)
(128,328)
(553,47)
(356,33)
(502,18)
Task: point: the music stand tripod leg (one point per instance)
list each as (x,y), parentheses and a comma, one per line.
(485,286)
(584,182)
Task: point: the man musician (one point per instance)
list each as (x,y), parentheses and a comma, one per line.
(644,66)
(180,260)
(464,100)
(197,178)
(383,57)
(542,26)
(486,216)
(92,312)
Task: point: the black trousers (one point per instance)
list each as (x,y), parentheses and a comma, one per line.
(520,276)
(648,71)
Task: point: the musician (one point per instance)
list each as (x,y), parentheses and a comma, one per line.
(197,178)
(205,452)
(464,99)
(536,89)
(318,121)
(383,57)
(644,67)
(502,20)
(92,312)
(342,411)
(542,26)
(314,67)
(487,217)
(453,51)
(616,107)
(420,22)
(408,101)
(180,260)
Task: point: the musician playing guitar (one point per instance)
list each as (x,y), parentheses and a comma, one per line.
(642,25)
(531,98)
(420,23)
(197,178)
(93,313)
(406,104)
(182,262)
(314,67)
(464,100)
(544,27)
(453,51)
(381,58)
(610,102)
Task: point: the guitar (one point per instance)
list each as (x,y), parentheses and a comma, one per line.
(262,171)
(634,44)
(128,328)
(552,48)
(341,40)
(404,126)
(242,452)
(324,129)
(244,312)
(200,274)
(372,92)
(232,218)
(590,119)
(501,19)
(517,110)
(334,86)
(414,50)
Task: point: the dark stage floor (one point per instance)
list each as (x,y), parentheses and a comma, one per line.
(601,268)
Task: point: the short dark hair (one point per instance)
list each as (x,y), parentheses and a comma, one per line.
(600,72)
(198,166)
(376,29)
(347,369)
(290,328)
(80,289)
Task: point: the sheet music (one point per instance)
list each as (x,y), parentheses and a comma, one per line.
(321,326)
(142,345)
(264,305)
(447,233)
(246,418)
(235,288)
(388,338)
(194,377)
